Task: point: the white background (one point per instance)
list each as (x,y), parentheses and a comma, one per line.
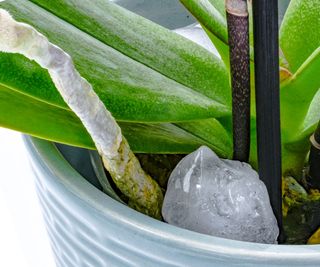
(23,238)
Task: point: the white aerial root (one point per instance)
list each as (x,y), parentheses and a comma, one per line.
(125,169)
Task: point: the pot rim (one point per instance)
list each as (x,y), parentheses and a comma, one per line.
(44,154)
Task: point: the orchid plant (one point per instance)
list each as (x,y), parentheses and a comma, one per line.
(168,94)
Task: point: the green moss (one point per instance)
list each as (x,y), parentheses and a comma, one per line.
(301,212)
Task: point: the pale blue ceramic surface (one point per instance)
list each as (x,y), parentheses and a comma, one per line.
(89,229)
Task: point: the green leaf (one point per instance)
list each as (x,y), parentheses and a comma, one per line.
(133,91)
(300,113)
(31,116)
(300,31)
(167,138)
(213,135)
(133,74)
(28,115)
(300,146)
(211,14)
(297,94)
(148,43)
(25,76)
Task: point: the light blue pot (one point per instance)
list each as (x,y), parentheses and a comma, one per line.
(88,228)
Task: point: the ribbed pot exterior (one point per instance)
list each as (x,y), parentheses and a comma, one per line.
(88,228)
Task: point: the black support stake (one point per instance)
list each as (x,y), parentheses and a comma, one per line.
(266,47)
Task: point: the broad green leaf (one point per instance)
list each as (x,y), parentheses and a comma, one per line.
(120,81)
(175,139)
(29,78)
(146,42)
(131,90)
(29,115)
(299,148)
(211,15)
(300,113)
(300,31)
(208,130)
(293,153)
(297,94)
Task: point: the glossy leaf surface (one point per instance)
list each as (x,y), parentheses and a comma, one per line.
(300,31)
(23,113)
(297,94)
(146,42)
(133,74)
(211,15)
(127,87)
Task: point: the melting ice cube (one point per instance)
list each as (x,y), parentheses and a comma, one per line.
(219,197)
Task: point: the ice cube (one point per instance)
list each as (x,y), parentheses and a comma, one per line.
(218,197)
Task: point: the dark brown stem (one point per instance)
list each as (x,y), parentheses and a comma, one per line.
(314,160)
(238,29)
